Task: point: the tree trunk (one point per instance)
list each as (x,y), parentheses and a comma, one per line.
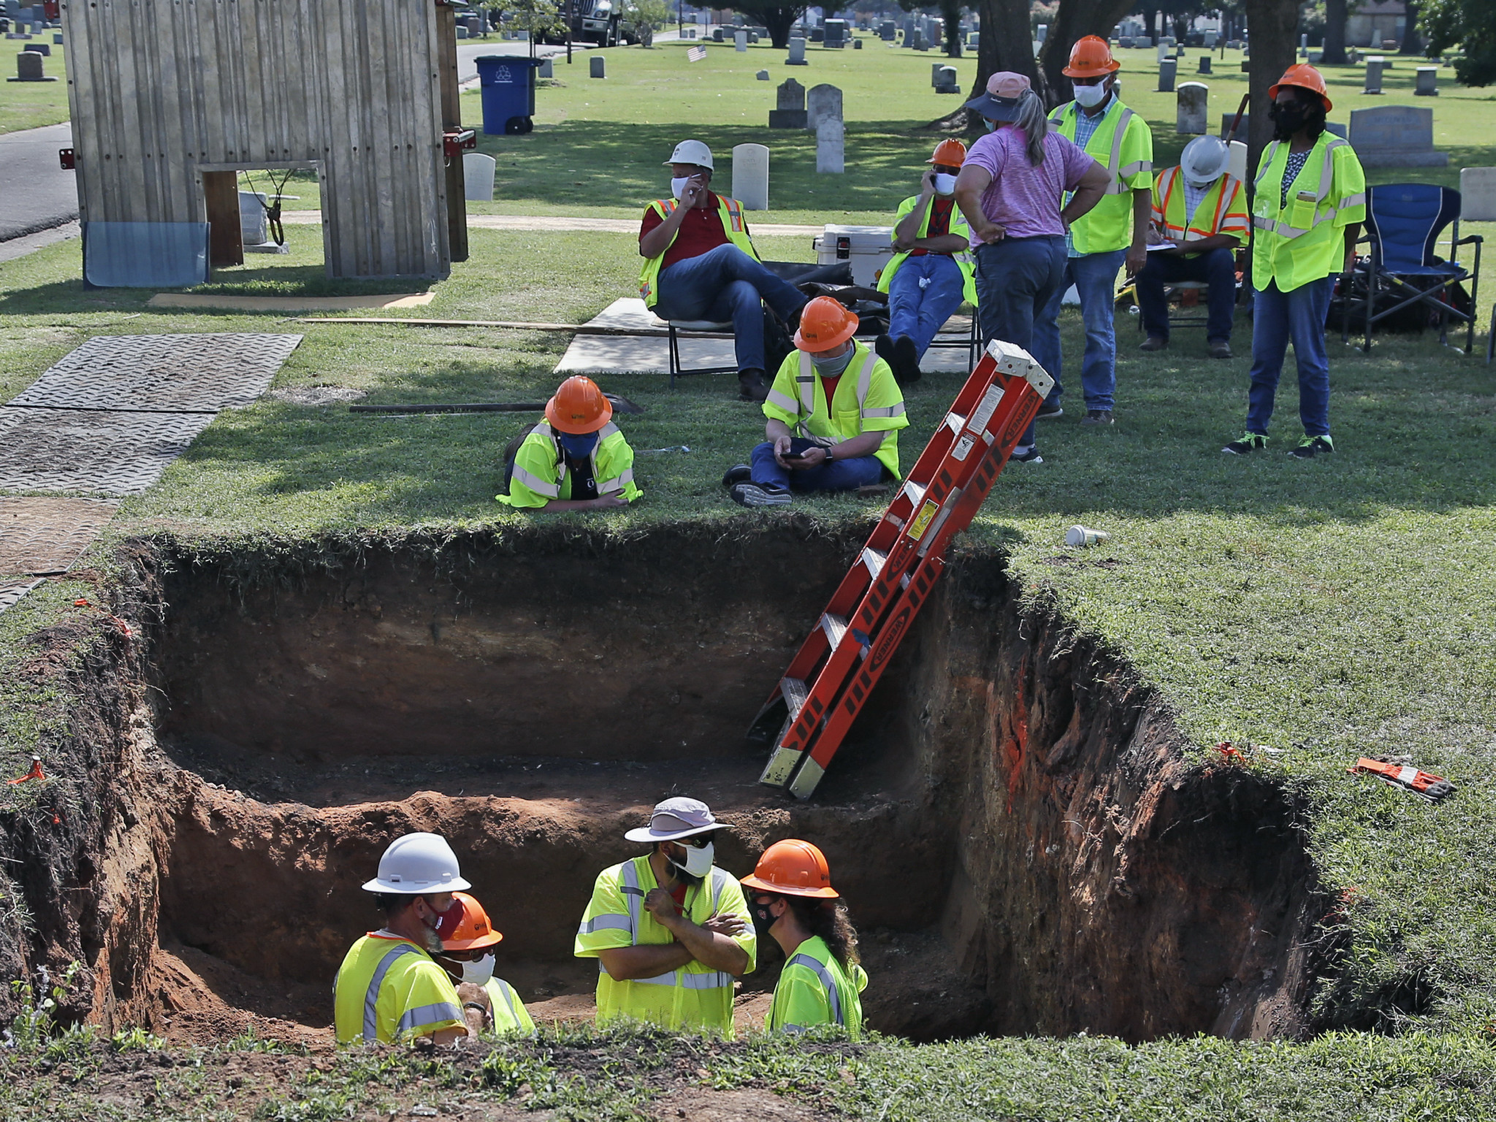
(950,12)
(1272,23)
(1074,19)
(1005,43)
(1412,40)
(777,22)
(1336,15)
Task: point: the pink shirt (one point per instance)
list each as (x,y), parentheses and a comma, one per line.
(1023,199)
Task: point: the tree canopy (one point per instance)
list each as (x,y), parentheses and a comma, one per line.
(1466,24)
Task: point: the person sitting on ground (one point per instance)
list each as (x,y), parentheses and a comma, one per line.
(931,272)
(700,264)
(843,402)
(467,957)
(1200,214)
(576,459)
(794,904)
(388,987)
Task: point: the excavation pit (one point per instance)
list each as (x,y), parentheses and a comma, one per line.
(1011,822)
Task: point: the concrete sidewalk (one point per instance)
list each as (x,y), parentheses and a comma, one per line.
(558,223)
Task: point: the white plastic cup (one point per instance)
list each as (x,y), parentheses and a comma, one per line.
(1083,536)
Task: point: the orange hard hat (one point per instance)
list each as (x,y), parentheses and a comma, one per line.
(1091,57)
(950,153)
(793,868)
(824,323)
(472,930)
(1304,77)
(578,406)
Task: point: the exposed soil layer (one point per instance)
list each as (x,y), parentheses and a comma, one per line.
(1012,823)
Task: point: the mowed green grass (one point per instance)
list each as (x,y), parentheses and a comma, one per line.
(29,105)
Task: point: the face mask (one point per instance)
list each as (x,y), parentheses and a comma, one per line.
(763,919)
(698,860)
(833,365)
(945,183)
(991,125)
(678,185)
(1091,96)
(578,445)
(1287,120)
(478,972)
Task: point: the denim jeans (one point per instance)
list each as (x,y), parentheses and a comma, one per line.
(839,475)
(726,284)
(1216,268)
(1095,278)
(919,309)
(1016,280)
(1277,317)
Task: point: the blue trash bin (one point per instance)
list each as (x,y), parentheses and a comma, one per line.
(507,83)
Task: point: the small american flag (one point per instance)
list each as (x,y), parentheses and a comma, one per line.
(696,54)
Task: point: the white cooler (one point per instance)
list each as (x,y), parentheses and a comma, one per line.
(868,248)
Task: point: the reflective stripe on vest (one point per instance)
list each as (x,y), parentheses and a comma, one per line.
(1187,228)
(510,998)
(433,1014)
(371,995)
(729,211)
(807,405)
(1117,173)
(833,995)
(634,894)
(553,490)
(1283,229)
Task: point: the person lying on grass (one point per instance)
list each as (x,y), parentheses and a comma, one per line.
(576,459)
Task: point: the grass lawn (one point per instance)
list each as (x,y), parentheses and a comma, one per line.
(29,105)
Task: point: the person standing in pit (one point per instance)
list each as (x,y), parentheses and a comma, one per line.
(467,957)
(670,929)
(795,905)
(1100,242)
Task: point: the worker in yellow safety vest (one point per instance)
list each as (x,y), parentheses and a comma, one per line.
(670,929)
(576,459)
(389,988)
(1199,220)
(794,904)
(467,957)
(931,271)
(1112,234)
(700,264)
(1307,210)
(834,415)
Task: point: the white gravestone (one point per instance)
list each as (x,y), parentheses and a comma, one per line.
(547,69)
(1478,194)
(1395,136)
(797,53)
(740,41)
(948,83)
(831,140)
(750,176)
(1190,114)
(477,176)
(822,103)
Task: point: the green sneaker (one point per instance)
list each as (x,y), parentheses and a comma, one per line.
(1312,446)
(1251,442)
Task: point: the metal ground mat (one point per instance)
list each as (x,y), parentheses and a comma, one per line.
(91,450)
(44,536)
(12,591)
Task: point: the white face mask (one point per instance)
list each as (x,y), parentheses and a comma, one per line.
(478,973)
(1091,96)
(678,185)
(945,183)
(698,860)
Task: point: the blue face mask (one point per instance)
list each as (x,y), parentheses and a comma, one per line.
(578,445)
(991,125)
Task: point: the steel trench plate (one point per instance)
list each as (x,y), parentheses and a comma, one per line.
(74,450)
(12,591)
(40,536)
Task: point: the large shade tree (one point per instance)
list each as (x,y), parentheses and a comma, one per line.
(1467,24)
(776,18)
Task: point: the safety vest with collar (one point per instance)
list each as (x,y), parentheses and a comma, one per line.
(1223,210)
(694,996)
(867,399)
(540,473)
(1123,144)
(388,988)
(962,259)
(1303,239)
(814,989)
(733,225)
(510,1017)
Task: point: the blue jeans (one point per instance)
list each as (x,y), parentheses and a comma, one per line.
(839,475)
(1017,278)
(726,284)
(918,310)
(1216,268)
(1277,317)
(1095,278)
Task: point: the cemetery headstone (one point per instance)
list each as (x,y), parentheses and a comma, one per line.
(831,147)
(598,66)
(717,35)
(57,39)
(1428,82)
(1478,194)
(740,41)
(817,34)
(797,53)
(41,48)
(824,102)
(750,176)
(1204,64)
(762,75)
(857,44)
(1190,116)
(477,177)
(1162,53)
(935,69)
(1395,136)
(29,68)
(1166,73)
(790,98)
(948,82)
(1144,41)
(462,31)
(1043,32)
(547,68)
(836,33)
(1124,41)
(1211,38)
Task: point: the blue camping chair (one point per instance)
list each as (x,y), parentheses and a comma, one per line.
(1403,224)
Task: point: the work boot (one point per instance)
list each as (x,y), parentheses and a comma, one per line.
(905,361)
(751,385)
(1049,410)
(1220,348)
(1097,417)
(751,494)
(738,473)
(1153,343)
(883,348)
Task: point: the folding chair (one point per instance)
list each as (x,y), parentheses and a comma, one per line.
(1403,224)
(972,344)
(693,326)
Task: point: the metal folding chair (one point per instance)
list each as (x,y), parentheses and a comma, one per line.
(972,344)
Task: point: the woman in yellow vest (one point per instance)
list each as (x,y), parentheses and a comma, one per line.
(1306,217)
(795,905)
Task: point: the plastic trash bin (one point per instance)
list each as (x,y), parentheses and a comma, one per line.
(507,83)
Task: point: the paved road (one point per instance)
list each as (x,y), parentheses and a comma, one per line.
(35,193)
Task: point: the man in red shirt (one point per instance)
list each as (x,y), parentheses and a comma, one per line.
(699,263)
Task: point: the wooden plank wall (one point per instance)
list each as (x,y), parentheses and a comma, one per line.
(159,88)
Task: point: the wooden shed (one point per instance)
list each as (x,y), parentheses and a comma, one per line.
(170,99)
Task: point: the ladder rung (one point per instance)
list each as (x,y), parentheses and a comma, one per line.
(794,692)
(834,627)
(874,560)
(915,491)
(954,422)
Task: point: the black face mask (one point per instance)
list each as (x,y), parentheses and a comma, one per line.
(763,919)
(1287,120)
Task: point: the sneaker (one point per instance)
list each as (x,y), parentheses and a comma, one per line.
(1312,446)
(751,494)
(1029,455)
(1251,442)
(1219,348)
(1097,417)
(905,361)
(1153,343)
(738,473)
(1049,410)
(751,385)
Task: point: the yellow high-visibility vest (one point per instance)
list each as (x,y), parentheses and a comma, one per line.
(1123,144)
(540,472)
(733,225)
(813,990)
(1303,239)
(869,402)
(962,259)
(388,988)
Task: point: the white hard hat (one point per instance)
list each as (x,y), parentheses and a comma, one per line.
(418,864)
(692,152)
(1204,159)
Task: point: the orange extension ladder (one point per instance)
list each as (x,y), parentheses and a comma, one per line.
(829,680)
